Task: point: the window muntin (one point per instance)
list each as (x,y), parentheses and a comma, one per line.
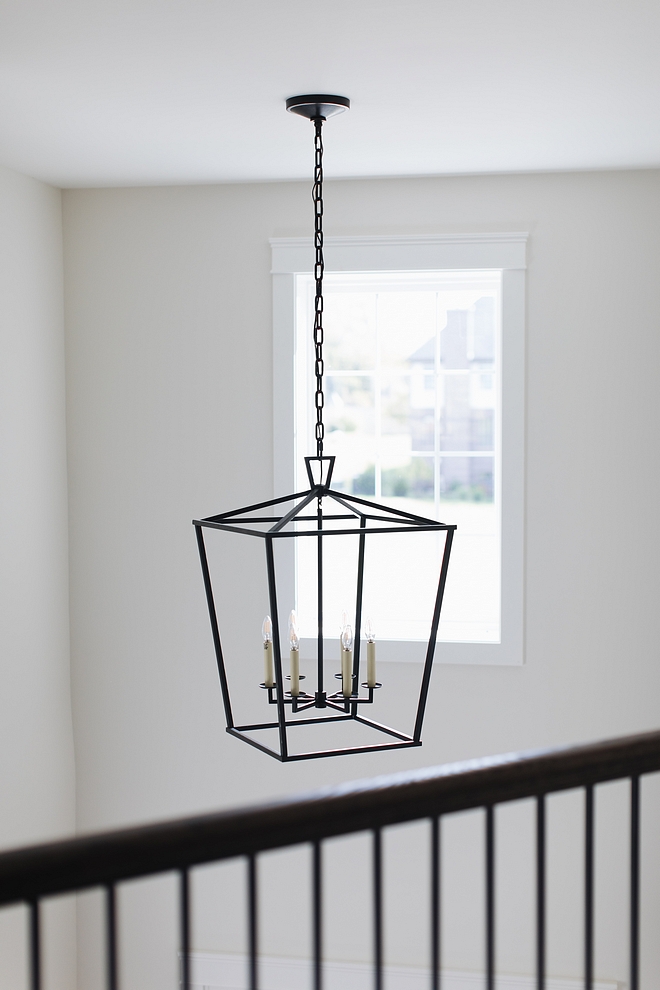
(413,410)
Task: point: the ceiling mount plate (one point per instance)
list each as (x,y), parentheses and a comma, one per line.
(317,105)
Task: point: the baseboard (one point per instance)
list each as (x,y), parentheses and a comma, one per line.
(229,972)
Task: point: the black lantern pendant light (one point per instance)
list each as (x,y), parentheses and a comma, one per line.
(319,514)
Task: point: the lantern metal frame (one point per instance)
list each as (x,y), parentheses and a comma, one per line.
(368,519)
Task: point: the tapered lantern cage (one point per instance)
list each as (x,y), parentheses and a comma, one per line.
(319,514)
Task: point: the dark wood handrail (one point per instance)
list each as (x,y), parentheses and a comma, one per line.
(105,858)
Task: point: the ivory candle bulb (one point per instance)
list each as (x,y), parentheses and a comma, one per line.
(347,661)
(344,623)
(294,654)
(371,654)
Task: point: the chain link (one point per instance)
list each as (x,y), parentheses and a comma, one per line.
(317,197)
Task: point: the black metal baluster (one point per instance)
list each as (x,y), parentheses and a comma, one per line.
(589,887)
(540,892)
(35,947)
(378,910)
(634,883)
(252,920)
(111,936)
(184,912)
(490,898)
(317,898)
(435,904)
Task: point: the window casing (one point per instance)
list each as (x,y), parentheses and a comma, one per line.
(460,450)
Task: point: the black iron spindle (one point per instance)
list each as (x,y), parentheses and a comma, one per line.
(435,903)
(378,910)
(35,946)
(317,898)
(589,887)
(184,915)
(111,936)
(490,898)
(540,892)
(252,921)
(634,883)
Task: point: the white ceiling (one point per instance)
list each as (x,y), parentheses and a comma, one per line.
(116,92)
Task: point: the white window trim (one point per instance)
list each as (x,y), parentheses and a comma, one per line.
(493,251)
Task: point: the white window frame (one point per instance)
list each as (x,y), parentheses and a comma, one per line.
(505,252)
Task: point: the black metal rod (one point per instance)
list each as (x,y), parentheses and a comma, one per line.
(277,651)
(293,722)
(540,892)
(383,508)
(355,513)
(490,898)
(320,674)
(214,626)
(317,899)
(292,513)
(384,728)
(378,908)
(251,508)
(334,517)
(35,946)
(430,650)
(320,754)
(111,937)
(416,528)
(589,887)
(634,882)
(327,517)
(184,921)
(358,613)
(252,923)
(435,904)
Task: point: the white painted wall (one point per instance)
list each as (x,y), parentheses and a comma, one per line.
(36,740)
(168,310)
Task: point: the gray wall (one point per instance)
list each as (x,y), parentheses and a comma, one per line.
(37,785)
(168,314)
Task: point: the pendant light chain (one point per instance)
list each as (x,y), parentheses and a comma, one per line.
(317,196)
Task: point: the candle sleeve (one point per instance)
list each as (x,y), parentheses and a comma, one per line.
(268,664)
(294,657)
(371,665)
(347,672)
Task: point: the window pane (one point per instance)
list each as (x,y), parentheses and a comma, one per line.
(350,331)
(406,324)
(466,479)
(414,480)
(411,414)
(349,424)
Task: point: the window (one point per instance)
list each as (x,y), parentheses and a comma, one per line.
(424,410)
